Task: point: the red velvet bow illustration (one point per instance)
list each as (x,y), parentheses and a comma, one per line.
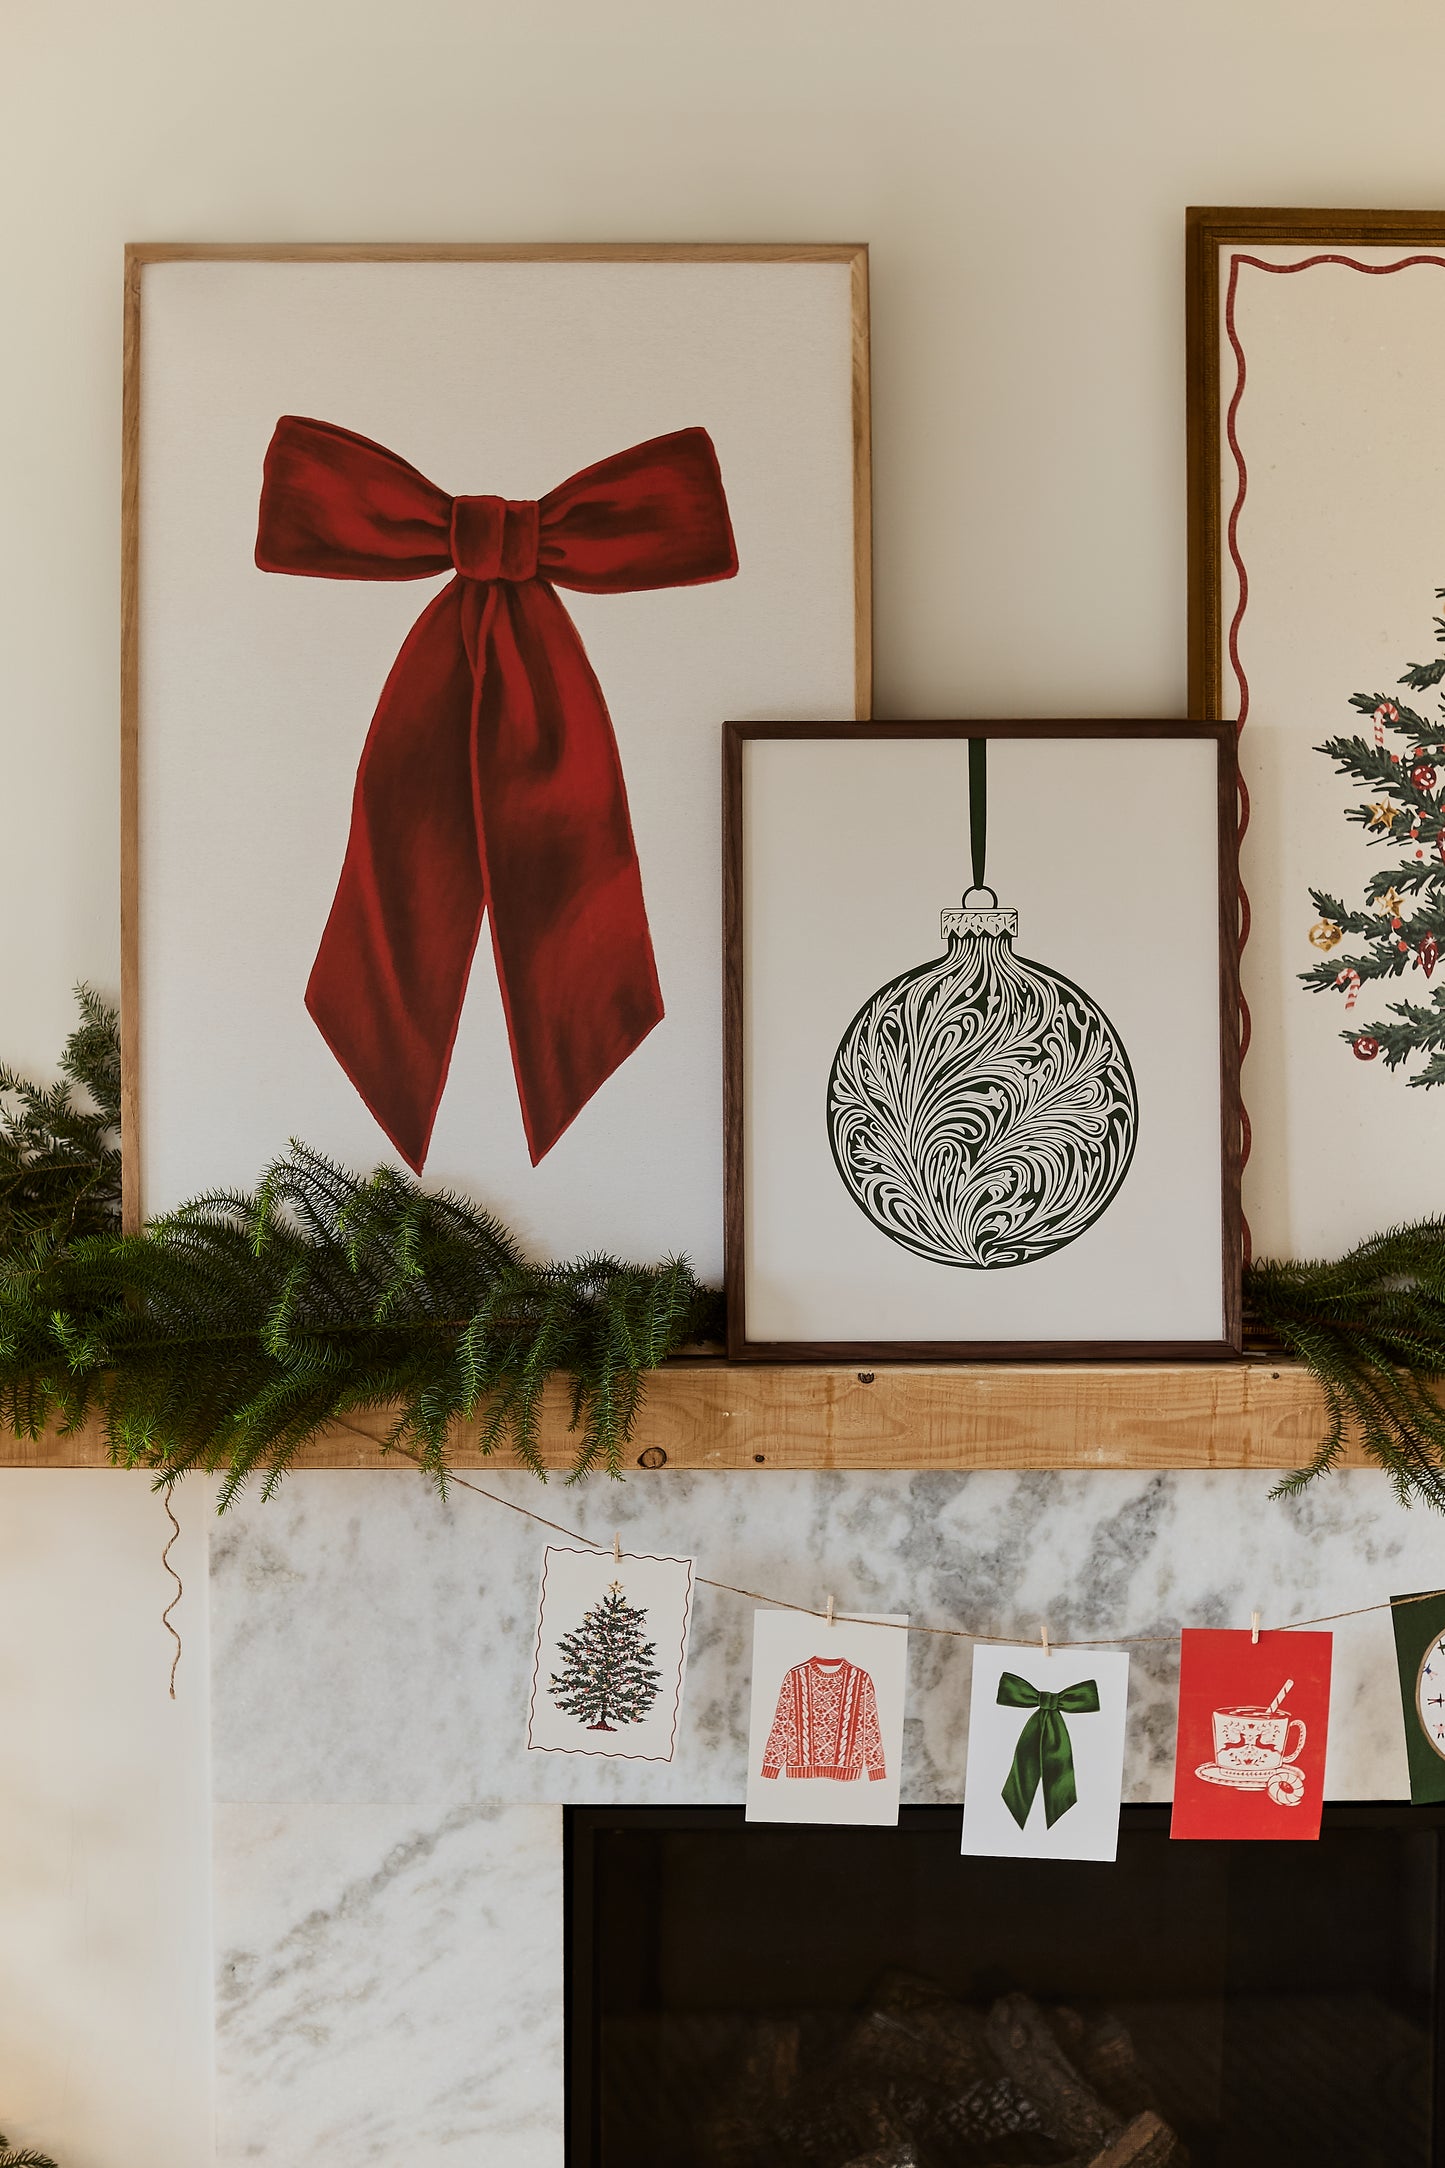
(490,781)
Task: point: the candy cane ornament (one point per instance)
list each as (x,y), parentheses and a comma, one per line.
(1351,979)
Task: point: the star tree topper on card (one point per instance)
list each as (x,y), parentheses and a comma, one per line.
(1419,1623)
(1253,1724)
(981,1108)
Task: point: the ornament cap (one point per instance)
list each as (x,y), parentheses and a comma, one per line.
(968,918)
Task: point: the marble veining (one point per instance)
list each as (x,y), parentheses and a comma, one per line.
(389,1857)
(371,1644)
(389,1985)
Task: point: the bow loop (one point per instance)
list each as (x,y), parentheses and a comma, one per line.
(335,506)
(494,539)
(653,516)
(1044,1754)
(1016,1693)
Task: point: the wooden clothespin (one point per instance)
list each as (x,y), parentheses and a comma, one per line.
(1044,1637)
(616,1548)
(1254,1628)
(830,1611)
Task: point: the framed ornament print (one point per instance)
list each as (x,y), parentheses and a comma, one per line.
(1317,567)
(982,1040)
(443,566)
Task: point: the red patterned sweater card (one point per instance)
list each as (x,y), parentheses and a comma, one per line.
(826,1733)
(1253,1725)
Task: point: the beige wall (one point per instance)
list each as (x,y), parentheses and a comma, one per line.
(1020,169)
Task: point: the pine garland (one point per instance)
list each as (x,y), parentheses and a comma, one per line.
(232,1332)
(1371,1328)
(237,1328)
(22,2157)
(60,1160)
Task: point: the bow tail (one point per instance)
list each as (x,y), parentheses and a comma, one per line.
(1022,1780)
(569,926)
(390,975)
(1043,1756)
(1060,1790)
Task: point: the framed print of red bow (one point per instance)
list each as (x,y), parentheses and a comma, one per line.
(421,859)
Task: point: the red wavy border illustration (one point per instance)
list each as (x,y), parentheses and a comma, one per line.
(1261,263)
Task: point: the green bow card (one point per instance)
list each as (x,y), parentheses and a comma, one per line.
(1045,1753)
(1419,1624)
(1044,1756)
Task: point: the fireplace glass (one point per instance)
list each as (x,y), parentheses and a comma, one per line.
(781,1997)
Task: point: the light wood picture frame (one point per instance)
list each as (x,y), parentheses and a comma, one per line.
(972,1155)
(721,388)
(1316,452)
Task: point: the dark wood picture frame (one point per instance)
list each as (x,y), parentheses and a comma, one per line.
(1209,229)
(741,1347)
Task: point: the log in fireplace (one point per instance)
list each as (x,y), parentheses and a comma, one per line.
(783,1997)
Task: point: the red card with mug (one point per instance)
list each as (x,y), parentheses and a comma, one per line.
(1253,1724)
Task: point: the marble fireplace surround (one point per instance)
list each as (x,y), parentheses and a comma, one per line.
(388,1858)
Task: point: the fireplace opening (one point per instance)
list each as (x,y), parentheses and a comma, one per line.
(784,1997)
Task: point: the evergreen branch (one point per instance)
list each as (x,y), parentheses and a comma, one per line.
(233,1331)
(1421,1030)
(1415,876)
(1373,964)
(1371,1329)
(1407,724)
(60,1157)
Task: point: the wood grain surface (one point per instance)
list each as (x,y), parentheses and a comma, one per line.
(1013,1415)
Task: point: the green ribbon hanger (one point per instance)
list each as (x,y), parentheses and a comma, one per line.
(1044,1754)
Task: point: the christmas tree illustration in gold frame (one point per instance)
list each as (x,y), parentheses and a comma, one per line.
(1017,1134)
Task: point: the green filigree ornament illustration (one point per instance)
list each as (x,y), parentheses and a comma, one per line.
(981,1108)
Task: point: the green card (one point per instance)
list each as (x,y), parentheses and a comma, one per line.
(1420,1652)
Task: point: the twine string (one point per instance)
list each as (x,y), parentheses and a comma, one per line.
(180,1588)
(950,1633)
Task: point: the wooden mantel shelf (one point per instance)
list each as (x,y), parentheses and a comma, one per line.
(1006,1415)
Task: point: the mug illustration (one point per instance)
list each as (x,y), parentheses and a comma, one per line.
(1252,1751)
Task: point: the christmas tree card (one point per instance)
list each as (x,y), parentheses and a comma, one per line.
(611,1654)
(1419,1623)
(1253,1724)
(1045,1753)
(826,1739)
